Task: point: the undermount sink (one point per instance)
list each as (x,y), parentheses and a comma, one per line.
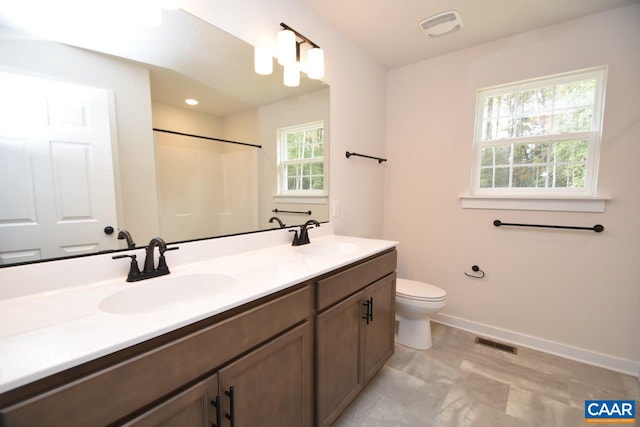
(327,248)
(153,294)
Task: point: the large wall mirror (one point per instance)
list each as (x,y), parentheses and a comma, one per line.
(83,145)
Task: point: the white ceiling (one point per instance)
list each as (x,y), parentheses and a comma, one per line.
(388,29)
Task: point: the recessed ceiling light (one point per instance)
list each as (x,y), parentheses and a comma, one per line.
(191,101)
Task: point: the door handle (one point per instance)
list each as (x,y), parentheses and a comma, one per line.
(231,415)
(367,315)
(370,310)
(216,404)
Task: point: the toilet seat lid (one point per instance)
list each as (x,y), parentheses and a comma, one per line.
(419,290)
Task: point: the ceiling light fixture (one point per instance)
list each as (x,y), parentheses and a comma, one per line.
(442,24)
(288,53)
(191,101)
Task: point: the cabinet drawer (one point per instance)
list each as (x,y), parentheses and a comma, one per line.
(113,393)
(338,286)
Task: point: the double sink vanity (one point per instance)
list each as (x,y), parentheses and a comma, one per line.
(245,331)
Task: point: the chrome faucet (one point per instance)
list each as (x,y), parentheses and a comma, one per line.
(303,237)
(149,269)
(275,218)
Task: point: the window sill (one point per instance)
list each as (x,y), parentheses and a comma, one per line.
(536,203)
(300,199)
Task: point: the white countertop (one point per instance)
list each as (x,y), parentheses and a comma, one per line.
(49,331)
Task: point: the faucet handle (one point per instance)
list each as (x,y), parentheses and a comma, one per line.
(296,241)
(134,270)
(173,248)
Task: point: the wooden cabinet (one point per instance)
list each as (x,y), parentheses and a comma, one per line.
(191,408)
(296,358)
(271,386)
(355,335)
(132,385)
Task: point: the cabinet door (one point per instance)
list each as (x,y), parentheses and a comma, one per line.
(272,385)
(338,344)
(379,332)
(191,408)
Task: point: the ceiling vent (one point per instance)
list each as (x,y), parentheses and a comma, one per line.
(442,24)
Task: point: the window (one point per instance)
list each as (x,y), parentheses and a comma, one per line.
(541,136)
(301,165)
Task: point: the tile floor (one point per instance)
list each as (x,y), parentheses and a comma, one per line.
(460,383)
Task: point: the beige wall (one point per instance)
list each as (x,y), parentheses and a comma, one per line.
(576,288)
(357,109)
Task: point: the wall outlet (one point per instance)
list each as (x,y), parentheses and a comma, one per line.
(335,208)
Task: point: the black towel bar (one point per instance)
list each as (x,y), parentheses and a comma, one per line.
(598,228)
(292,212)
(379,159)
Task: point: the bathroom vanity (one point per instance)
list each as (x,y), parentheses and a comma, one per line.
(294,352)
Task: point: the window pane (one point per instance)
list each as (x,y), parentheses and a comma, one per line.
(317,168)
(317,183)
(291,183)
(530,153)
(293,151)
(486,156)
(571,151)
(573,120)
(486,178)
(497,155)
(575,93)
(529,176)
(502,178)
(306,183)
(569,176)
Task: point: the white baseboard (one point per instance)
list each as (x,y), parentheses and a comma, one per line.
(617,364)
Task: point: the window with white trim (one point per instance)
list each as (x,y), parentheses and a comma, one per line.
(540,136)
(301,162)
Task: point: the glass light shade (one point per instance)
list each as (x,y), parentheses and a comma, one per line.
(315,63)
(263,62)
(191,101)
(286,47)
(292,75)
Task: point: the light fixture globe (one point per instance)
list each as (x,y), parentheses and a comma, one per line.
(315,63)
(263,61)
(292,74)
(286,47)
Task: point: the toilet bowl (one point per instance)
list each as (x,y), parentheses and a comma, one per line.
(416,302)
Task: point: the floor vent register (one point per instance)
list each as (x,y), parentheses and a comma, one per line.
(497,345)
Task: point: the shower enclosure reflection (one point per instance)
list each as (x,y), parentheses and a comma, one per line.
(205,187)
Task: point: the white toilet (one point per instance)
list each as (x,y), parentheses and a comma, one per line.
(416,302)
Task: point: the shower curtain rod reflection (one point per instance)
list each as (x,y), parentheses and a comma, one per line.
(206,137)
